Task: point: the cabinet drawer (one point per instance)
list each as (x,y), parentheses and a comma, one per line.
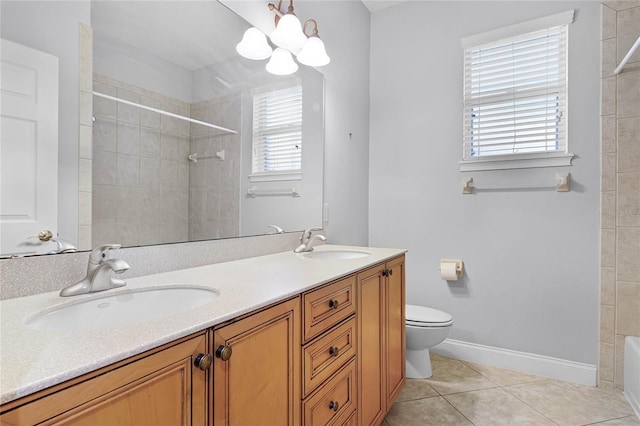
(325,355)
(328,306)
(335,401)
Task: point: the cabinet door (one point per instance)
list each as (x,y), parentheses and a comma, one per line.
(395,329)
(259,382)
(371,337)
(161,388)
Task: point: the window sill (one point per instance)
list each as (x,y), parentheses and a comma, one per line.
(276,177)
(517,162)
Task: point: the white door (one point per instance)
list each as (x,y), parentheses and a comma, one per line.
(28,148)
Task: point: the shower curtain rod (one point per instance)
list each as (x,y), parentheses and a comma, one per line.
(628,56)
(159,111)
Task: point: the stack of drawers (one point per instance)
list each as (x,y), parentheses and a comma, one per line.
(328,354)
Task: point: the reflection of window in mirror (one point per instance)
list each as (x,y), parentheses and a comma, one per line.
(277,133)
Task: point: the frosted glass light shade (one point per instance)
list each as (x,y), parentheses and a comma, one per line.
(254,45)
(288,33)
(281,62)
(313,53)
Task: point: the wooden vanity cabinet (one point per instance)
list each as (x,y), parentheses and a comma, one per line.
(163,386)
(381,339)
(328,354)
(334,355)
(256,369)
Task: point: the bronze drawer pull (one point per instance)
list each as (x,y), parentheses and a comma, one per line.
(333,304)
(333,351)
(333,405)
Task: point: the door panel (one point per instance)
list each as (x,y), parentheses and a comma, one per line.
(28,148)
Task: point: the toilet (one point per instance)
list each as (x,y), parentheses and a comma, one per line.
(426,327)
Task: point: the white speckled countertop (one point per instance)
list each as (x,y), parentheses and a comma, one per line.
(31,360)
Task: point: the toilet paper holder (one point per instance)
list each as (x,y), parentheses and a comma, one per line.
(459,266)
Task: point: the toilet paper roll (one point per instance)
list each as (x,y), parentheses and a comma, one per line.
(448,271)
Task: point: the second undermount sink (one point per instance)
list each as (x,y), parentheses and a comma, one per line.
(336,254)
(122,309)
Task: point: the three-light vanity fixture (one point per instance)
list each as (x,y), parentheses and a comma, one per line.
(290,37)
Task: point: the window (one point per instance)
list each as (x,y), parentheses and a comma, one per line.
(515,97)
(277,132)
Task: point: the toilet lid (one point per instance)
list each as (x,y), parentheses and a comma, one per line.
(422,315)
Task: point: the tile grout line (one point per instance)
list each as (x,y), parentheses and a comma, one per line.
(456,408)
(503,388)
(528,405)
(608,420)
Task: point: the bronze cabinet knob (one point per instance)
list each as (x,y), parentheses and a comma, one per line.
(333,405)
(203,361)
(223,352)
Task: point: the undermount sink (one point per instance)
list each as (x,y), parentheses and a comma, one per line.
(336,254)
(125,308)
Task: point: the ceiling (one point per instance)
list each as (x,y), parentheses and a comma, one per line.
(185,33)
(374,5)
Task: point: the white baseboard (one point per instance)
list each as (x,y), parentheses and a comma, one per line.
(556,368)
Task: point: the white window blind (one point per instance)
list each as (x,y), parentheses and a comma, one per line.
(277,131)
(515,96)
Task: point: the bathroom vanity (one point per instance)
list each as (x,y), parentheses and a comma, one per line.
(292,339)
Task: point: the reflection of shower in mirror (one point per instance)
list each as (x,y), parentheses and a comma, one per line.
(141,76)
(220,155)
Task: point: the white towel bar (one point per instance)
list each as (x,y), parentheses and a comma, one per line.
(564,185)
(254,192)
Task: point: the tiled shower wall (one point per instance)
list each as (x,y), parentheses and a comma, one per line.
(214,206)
(85,148)
(140,167)
(145,190)
(620,197)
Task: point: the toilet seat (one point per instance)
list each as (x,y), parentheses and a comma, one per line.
(421,316)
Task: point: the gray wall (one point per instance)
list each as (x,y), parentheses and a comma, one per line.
(531,257)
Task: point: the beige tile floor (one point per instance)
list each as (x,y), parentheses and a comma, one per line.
(466,393)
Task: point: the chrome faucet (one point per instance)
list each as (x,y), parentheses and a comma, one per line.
(99,273)
(62,246)
(306,240)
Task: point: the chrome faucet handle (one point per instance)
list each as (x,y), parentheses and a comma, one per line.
(306,234)
(99,253)
(306,239)
(102,280)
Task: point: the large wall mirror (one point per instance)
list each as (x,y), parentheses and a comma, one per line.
(171,129)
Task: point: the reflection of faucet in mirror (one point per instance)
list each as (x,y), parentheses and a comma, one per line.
(62,246)
(306,240)
(276,228)
(99,273)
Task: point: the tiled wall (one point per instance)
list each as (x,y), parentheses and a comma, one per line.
(140,170)
(620,198)
(214,209)
(145,191)
(85,148)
